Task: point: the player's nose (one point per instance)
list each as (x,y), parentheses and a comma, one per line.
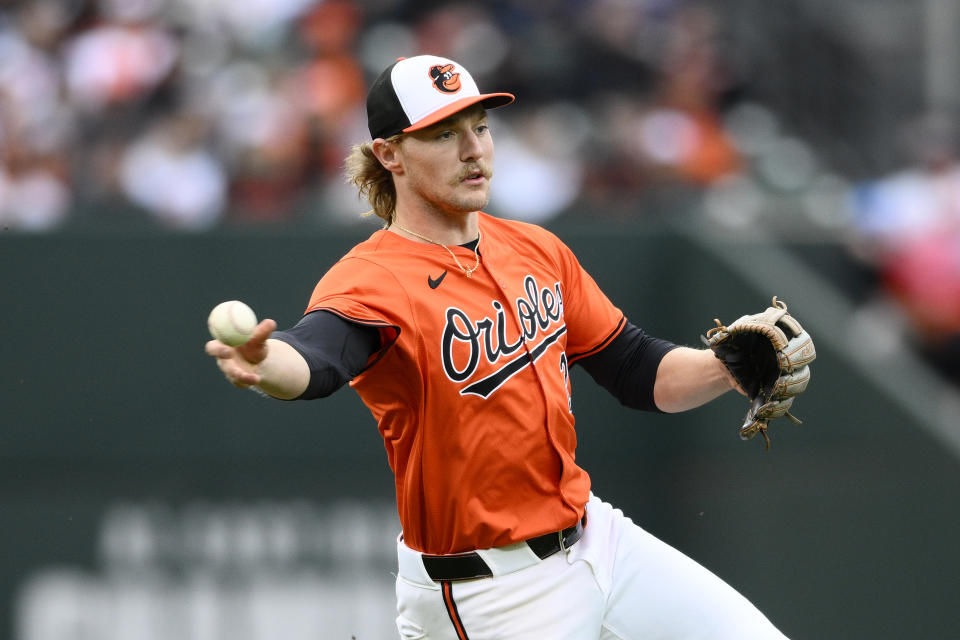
(471,146)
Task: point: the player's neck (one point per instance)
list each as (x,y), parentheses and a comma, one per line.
(440,227)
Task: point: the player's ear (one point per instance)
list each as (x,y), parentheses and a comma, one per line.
(388,153)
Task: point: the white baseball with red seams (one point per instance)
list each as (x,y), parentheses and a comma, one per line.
(232,322)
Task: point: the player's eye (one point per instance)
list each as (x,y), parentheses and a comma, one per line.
(445,135)
(482,129)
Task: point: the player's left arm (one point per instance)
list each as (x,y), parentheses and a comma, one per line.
(641,371)
(687,378)
(651,374)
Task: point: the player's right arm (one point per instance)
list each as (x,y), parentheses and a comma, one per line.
(312,359)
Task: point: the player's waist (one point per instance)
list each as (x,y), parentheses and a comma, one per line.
(424,568)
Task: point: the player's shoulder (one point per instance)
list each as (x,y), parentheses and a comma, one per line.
(368,256)
(369,246)
(366,275)
(378,248)
(525,238)
(519,229)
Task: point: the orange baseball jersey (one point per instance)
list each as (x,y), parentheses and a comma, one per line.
(472,393)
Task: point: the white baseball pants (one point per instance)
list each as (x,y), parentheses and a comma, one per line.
(617,583)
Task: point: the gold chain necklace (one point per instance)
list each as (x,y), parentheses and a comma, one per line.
(476,253)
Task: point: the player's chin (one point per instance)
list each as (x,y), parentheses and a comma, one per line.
(474,199)
(479,194)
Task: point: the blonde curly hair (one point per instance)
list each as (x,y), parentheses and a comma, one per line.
(373,181)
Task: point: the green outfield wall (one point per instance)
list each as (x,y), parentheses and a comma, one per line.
(129,469)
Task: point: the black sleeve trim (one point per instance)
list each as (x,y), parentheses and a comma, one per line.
(576,356)
(627,367)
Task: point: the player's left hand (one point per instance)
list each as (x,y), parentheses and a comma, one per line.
(239,364)
(768,355)
(731,379)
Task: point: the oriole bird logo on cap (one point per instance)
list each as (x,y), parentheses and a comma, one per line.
(444,78)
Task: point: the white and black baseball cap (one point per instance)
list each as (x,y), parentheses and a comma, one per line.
(414,93)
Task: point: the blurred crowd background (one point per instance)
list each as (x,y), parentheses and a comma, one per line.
(830,124)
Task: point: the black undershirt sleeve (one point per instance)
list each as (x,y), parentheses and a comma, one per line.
(335,349)
(627,367)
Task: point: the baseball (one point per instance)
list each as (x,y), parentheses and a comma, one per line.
(232,322)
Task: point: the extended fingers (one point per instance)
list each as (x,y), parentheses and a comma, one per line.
(217,349)
(263,330)
(240,378)
(229,361)
(236,374)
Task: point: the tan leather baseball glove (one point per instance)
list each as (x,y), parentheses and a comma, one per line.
(769,355)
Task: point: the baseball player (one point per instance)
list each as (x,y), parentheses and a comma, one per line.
(458,330)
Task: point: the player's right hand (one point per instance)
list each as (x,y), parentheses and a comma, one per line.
(239,364)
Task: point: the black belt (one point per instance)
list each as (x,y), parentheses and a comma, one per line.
(468,566)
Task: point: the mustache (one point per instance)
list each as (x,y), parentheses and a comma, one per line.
(485,170)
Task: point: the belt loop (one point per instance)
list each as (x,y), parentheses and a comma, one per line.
(563,546)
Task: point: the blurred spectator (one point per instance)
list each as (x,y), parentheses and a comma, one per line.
(665,134)
(682,132)
(538,172)
(170,173)
(256,26)
(263,140)
(120,59)
(34,128)
(908,230)
(921,199)
(329,87)
(33,193)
